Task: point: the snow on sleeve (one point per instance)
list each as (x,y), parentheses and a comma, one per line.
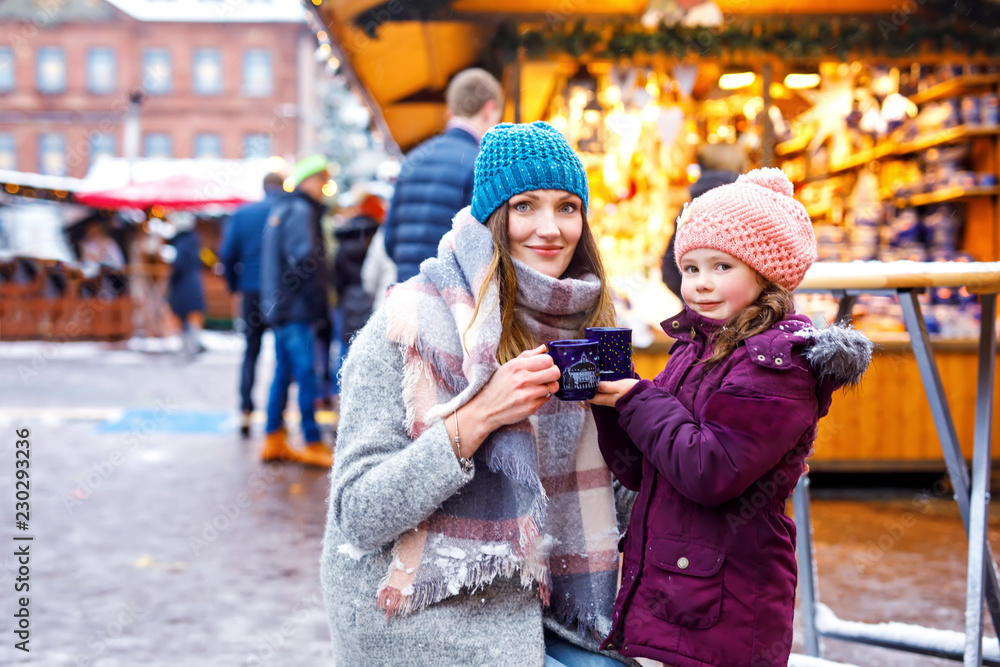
(352,551)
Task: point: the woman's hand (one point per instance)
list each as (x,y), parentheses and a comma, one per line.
(516,390)
(608,393)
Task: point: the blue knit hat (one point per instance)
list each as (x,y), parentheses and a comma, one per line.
(518,157)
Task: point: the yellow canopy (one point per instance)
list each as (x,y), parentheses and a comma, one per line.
(406,67)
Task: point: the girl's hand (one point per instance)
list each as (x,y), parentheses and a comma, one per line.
(608,393)
(516,391)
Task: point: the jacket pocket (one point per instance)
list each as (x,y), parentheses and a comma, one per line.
(685,583)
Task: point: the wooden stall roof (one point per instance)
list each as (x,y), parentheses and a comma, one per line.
(636,7)
(405,68)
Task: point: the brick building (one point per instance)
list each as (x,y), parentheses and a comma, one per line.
(218,78)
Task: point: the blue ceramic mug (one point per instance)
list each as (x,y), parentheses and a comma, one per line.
(616,351)
(579,362)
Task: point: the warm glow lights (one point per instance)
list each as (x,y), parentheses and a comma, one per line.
(736,80)
(801,81)
(896,107)
(650,113)
(329,189)
(753,107)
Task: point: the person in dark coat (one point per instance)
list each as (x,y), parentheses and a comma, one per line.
(293,298)
(353,241)
(436,179)
(241,261)
(719,164)
(184,292)
(715,444)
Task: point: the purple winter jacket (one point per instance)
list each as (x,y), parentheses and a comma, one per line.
(709,573)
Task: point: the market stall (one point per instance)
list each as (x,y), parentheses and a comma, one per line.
(883,115)
(902,280)
(52,288)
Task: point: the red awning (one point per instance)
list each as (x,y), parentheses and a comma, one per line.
(177,192)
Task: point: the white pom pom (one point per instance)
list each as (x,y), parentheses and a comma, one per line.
(770,178)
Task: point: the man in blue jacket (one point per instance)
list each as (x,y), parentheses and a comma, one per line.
(241,260)
(293,298)
(435,182)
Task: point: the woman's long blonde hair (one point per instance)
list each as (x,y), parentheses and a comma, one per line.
(773,304)
(515,337)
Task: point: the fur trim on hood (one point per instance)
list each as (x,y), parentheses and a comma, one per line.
(840,354)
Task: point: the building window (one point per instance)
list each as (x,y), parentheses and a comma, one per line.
(257,76)
(52,154)
(156,71)
(257,146)
(207,72)
(51,70)
(8,151)
(208,145)
(6,69)
(102,73)
(101,144)
(158,144)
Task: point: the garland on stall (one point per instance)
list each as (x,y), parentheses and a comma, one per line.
(917,26)
(812,38)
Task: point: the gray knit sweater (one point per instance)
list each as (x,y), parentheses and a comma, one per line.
(384,483)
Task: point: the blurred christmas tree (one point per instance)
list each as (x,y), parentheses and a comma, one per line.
(345,134)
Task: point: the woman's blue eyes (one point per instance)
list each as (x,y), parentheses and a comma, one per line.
(523,207)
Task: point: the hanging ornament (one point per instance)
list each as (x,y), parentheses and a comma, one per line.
(685,74)
(669,123)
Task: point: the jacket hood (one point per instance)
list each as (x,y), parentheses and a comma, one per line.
(840,354)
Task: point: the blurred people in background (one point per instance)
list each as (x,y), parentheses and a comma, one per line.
(719,164)
(241,250)
(184,292)
(353,241)
(98,247)
(436,179)
(293,297)
(149,282)
(378,271)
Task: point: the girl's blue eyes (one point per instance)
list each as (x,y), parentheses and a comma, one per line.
(720,267)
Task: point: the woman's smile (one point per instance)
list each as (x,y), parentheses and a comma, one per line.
(546,250)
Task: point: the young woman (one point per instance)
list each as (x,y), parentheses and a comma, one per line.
(471,517)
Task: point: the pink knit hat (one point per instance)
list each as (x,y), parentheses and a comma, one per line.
(756,220)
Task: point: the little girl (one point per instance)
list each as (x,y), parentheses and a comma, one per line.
(717,441)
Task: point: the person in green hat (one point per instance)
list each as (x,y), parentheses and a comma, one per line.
(293,299)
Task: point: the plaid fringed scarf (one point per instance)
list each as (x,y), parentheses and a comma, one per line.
(541,501)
